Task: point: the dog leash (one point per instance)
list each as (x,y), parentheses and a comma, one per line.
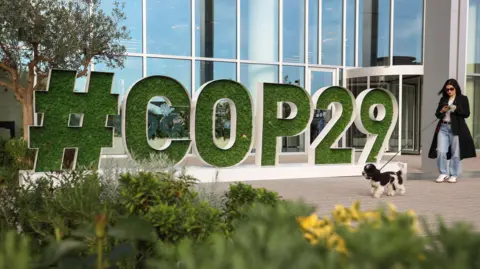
(421,131)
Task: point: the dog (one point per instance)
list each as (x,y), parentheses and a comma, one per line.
(393,181)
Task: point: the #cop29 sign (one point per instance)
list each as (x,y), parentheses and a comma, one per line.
(56,132)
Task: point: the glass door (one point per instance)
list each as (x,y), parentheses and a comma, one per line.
(321,77)
(410,109)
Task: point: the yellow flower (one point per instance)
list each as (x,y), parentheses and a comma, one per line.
(308,222)
(421,257)
(322,232)
(340,214)
(337,243)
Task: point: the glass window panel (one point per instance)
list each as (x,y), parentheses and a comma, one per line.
(408,32)
(320,79)
(133,22)
(169,27)
(350,34)
(253,74)
(177,69)
(293,75)
(313,31)
(123,80)
(294,31)
(411,109)
(374,33)
(332,32)
(473,93)
(473,46)
(216,28)
(207,71)
(259,30)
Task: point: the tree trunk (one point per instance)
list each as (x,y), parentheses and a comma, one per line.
(27,106)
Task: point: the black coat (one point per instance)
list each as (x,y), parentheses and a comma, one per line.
(459,127)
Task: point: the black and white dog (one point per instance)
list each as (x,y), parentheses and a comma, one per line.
(379,181)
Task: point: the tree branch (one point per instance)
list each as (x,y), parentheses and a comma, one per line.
(7,85)
(8,68)
(86,63)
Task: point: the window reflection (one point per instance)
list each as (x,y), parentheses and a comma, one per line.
(350,34)
(313,31)
(259,30)
(293,75)
(408,32)
(133,22)
(374,33)
(177,69)
(473,54)
(206,71)
(169,27)
(123,80)
(293,31)
(253,74)
(355,138)
(473,93)
(216,28)
(332,32)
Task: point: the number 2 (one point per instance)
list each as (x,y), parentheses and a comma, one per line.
(321,150)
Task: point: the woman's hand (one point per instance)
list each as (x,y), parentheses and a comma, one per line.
(444,109)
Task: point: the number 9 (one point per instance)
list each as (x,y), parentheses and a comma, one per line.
(378,128)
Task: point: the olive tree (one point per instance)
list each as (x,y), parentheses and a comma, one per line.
(37,35)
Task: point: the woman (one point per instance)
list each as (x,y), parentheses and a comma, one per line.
(452,140)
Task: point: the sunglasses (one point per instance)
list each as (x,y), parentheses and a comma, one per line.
(450,89)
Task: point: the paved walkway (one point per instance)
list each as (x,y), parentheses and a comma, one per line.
(455,202)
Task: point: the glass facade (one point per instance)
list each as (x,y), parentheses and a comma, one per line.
(311,43)
(473,69)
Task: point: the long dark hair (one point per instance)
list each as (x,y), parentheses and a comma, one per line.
(452,82)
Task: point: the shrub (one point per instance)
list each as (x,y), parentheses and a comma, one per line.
(240,197)
(350,238)
(14,156)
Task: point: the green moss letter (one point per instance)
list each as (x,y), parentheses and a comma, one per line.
(320,150)
(273,126)
(134,116)
(378,111)
(240,105)
(56,105)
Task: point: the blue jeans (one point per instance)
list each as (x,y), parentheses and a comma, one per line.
(445,140)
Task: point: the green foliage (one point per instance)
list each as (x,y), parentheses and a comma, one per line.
(14,251)
(454,247)
(204,121)
(379,128)
(135,114)
(193,220)
(324,154)
(268,238)
(14,156)
(274,127)
(143,191)
(241,197)
(57,104)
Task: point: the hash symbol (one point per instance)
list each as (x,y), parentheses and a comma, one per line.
(73,124)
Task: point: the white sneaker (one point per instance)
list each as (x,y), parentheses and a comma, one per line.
(441,178)
(452,180)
